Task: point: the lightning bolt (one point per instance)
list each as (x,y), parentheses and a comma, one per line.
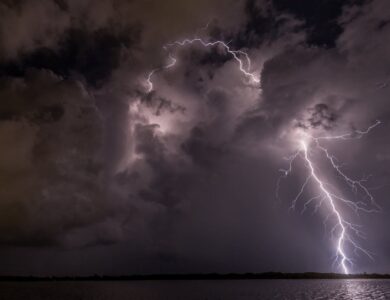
(241,57)
(168,66)
(346,231)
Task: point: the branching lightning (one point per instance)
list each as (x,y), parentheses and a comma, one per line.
(241,57)
(347,232)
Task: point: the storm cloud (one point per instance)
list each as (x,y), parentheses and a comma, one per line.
(95,169)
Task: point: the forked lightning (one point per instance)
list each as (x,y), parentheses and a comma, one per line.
(346,231)
(241,57)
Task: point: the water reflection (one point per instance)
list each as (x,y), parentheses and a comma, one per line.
(364,289)
(354,289)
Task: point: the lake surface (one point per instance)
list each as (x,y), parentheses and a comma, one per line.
(356,289)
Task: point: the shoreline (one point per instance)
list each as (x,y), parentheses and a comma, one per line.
(200,276)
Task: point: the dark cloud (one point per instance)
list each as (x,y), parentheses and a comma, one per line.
(161,105)
(91,56)
(321,116)
(201,148)
(60,137)
(320,18)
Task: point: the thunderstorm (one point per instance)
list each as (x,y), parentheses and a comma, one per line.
(346,231)
(167,142)
(241,57)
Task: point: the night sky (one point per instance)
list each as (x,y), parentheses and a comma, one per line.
(100,176)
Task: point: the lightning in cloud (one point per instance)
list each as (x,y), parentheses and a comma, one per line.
(347,232)
(150,75)
(241,57)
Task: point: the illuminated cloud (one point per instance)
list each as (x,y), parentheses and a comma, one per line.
(182,178)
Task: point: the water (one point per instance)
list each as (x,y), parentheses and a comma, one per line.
(356,289)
